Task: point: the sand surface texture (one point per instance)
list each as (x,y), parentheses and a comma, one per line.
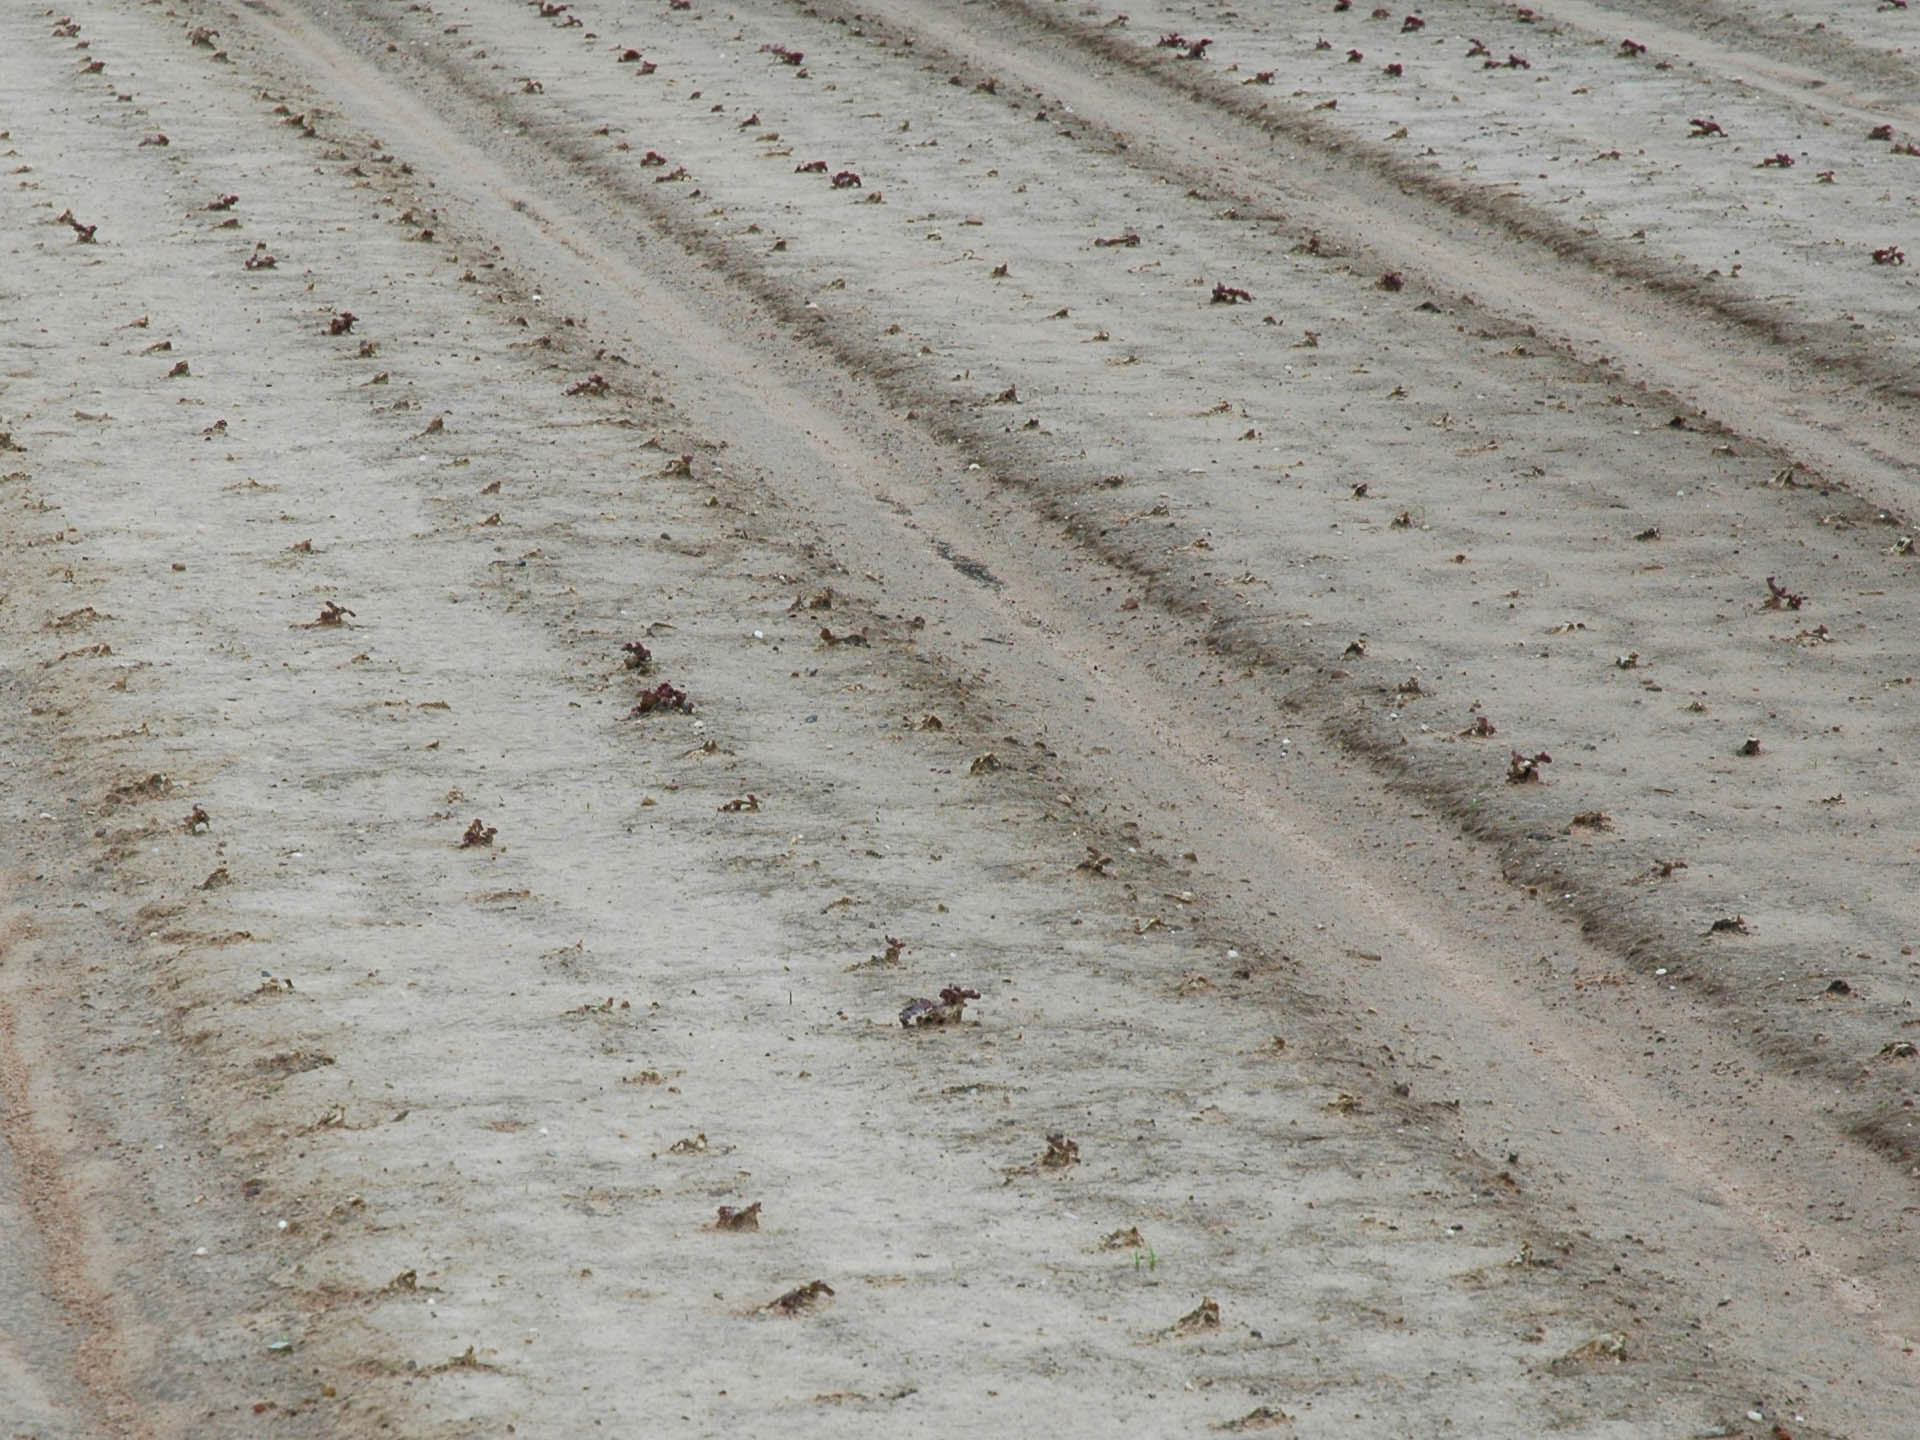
(1342,581)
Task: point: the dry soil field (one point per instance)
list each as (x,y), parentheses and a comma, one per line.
(1341,580)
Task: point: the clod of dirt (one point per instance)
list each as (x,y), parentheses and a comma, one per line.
(1127,1239)
(343,323)
(1750,746)
(1203,1319)
(732,1219)
(1591,820)
(1729,925)
(1061,1152)
(198,822)
(679,465)
(800,1298)
(827,637)
(662,697)
(180,370)
(594,384)
(1356,649)
(984,764)
(1525,769)
(947,1010)
(478,834)
(740,805)
(1839,987)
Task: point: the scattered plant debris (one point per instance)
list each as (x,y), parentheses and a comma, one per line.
(342,323)
(1703,128)
(1096,862)
(1781,598)
(984,764)
(1224,294)
(1261,1417)
(1127,1239)
(1481,728)
(1889,255)
(1729,925)
(947,1010)
(639,657)
(1203,1319)
(827,637)
(1129,240)
(745,804)
(594,384)
(478,835)
(198,822)
(846,180)
(1591,820)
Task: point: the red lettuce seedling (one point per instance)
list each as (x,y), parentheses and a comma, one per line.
(1525,769)
(1781,598)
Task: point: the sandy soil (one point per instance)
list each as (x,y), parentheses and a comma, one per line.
(1366,612)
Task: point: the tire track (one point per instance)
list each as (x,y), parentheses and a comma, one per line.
(67,1247)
